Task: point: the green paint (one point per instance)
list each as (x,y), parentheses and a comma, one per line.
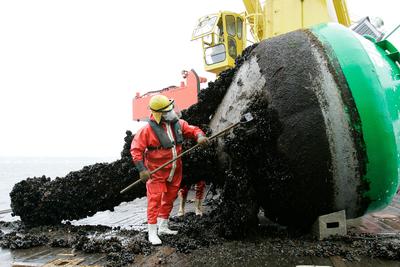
(373,76)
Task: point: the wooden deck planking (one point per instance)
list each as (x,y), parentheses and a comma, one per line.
(134,214)
(385,221)
(321,261)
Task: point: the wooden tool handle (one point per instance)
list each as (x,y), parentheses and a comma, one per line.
(180,155)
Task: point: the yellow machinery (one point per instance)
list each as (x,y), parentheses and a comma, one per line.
(332,90)
(224,34)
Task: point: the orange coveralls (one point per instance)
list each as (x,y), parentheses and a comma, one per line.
(147,153)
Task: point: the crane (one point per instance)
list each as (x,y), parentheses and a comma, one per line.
(224,37)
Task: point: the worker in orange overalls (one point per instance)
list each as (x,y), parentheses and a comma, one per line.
(157,142)
(198,200)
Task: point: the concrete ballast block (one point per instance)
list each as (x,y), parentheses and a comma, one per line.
(330,224)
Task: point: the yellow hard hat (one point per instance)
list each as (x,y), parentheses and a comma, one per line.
(159,104)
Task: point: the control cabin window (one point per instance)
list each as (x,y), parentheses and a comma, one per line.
(215,54)
(204,26)
(230,25)
(232,47)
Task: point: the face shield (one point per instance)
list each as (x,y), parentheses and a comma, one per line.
(171,115)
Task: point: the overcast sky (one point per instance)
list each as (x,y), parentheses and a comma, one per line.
(69,69)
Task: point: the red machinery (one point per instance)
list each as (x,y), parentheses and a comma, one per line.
(185,95)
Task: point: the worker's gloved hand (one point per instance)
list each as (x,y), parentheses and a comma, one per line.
(144,176)
(203,140)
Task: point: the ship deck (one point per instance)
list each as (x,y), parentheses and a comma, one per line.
(132,215)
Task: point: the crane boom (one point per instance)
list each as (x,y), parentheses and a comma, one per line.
(255,17)
(341,12)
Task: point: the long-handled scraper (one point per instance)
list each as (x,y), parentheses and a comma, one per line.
(245,119)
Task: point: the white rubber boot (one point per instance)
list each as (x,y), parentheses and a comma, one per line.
(182,202)
(153,237)
(163,227)
(198,207)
